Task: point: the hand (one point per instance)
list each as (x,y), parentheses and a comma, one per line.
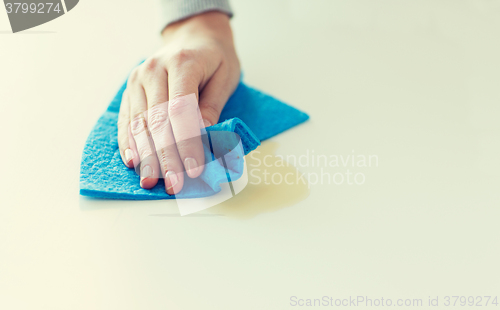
(160,104)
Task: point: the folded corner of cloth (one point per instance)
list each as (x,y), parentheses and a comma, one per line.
(251,114)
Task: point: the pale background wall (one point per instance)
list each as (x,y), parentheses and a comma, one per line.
(415,82)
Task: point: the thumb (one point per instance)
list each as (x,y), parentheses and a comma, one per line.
(214,96)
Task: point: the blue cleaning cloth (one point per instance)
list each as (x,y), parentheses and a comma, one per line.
(251,114)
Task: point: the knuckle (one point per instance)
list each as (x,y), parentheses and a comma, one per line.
(138,125)
(162,159)
(165,159)
(157,119)
(122,123)
(180,104)
(182,55)
(144,152)
(150,65)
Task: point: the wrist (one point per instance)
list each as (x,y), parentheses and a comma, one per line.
(212,22)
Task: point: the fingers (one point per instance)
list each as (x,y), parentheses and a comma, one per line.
(215,95)
(127,151)
(149,168)
(166,124)
(183,82)
(156,90)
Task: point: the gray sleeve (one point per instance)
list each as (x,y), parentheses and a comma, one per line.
(175,10)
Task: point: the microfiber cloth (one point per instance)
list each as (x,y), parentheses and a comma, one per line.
(251,114)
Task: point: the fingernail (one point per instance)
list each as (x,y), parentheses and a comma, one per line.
(191,166)
(171,179)
(128,155)
(206,123)
(146,172)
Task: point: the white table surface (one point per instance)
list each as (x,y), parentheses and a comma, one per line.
(415,83)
